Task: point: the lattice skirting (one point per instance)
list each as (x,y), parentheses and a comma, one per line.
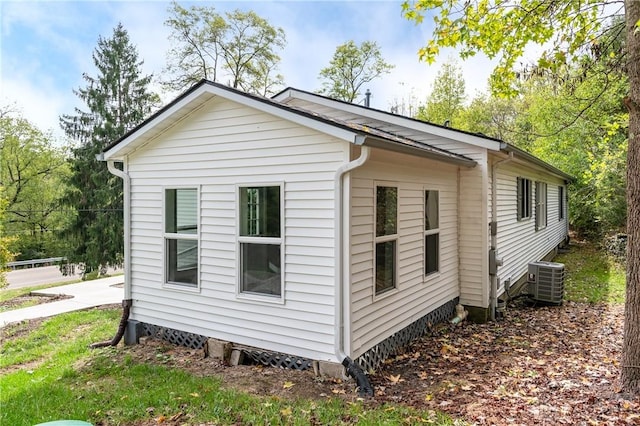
(371,359)
(177,337)
(276,359)
(196,341)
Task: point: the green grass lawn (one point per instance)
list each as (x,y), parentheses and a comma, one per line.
(48,373)
(592,276)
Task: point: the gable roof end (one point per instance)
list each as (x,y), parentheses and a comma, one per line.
(205,90)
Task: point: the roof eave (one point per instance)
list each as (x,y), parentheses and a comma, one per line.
(507,148)
(470,138)
(391,145)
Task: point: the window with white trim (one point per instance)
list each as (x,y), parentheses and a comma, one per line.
(181,236)
(561,202)
(541,205)
(431,232)
(260,240)
(386,238)
(524,198)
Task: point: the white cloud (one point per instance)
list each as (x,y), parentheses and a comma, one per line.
(50,45)
(41,104)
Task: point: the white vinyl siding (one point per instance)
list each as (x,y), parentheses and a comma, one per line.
(218,147)
(518,241)
(375,318)
(474,212)
(473,186)
(222,146)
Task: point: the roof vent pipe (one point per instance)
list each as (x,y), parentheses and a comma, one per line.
(367,98)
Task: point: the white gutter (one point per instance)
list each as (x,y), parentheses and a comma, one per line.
(493,302)
(127,222)
(341,235)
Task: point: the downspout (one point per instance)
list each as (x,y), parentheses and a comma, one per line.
(122,174)
(342,291)
(127,301)
(494,260)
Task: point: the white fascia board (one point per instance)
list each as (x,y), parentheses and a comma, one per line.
(479,141)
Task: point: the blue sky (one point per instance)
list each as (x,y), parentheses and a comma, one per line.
(46,46)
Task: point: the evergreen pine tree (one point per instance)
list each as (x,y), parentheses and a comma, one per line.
(118,99)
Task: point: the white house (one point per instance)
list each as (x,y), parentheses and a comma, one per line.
(317,230)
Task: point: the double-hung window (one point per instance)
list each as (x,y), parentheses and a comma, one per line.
(181,236)
(561,202)
(524,198)
(541,205)
(386,238)
(431,232)
(260,240)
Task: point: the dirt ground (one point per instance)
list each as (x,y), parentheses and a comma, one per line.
(30,300)
(536,366)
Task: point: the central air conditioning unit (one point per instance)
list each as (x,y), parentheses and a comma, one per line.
(546,282)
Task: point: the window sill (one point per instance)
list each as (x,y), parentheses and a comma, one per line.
(260,299)
(385,294)
(188,288)
(431,277)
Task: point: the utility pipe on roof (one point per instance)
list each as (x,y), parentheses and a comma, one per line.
(493,296)
(343,291)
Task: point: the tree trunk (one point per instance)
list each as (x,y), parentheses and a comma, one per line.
(630,374)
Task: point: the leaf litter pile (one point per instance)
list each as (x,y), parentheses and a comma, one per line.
(537,366)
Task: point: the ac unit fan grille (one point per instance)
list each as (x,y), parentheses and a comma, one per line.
(546,282)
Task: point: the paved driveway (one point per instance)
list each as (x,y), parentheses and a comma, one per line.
(86,294)
(30,277)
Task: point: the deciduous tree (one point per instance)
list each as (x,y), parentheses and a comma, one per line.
(239,49)
(248,52)
(351,67)
(117,99)
(502,29)
(196,34)
(6,255)
(32,171)
(446,99)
